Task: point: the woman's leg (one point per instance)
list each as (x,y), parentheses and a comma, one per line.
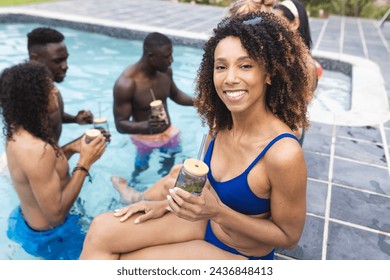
(190,250)
(107,237)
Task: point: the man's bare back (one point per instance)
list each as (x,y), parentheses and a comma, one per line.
(39,196)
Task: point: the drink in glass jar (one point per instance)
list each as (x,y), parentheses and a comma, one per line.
(91,134)
(158,111)
(102,125)
(192,176)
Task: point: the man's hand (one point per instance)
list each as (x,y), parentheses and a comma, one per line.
(84,117)
(157,125)
(72,147)
(92,151)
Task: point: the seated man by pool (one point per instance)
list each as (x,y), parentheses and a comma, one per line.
(149,82)
(39,169)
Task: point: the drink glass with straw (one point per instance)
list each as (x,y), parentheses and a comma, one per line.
(193,175)
(101,124)
(157,108)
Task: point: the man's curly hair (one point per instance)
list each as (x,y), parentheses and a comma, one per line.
(24,99)
(271,43)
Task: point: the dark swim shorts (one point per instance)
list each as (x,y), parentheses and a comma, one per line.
(64,242)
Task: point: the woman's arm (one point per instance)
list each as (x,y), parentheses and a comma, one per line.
(286,173)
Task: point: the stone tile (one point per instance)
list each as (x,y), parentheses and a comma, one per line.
(317,165)
(368,133)
(316,197)
(359,208)
(347,243)
(320,128)
(316,141)
(387,132)
(310,245)
(364,152)
(353,50)
(361,176)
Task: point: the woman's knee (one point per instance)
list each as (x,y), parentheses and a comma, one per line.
(100,228)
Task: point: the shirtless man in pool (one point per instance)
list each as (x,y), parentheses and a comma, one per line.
(46,45)
(139,84)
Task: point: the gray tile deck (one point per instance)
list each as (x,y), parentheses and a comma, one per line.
(349,182)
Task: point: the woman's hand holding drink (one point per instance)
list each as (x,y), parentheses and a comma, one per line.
(192,176)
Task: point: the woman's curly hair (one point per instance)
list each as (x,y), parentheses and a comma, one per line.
(271,43)
(24,99)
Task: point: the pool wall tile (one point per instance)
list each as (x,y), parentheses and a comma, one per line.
(310,245)
(317,142)
(317,165)
(369,133)
(320,128)
(316,197)
(359,208)
(350,243)
(360,151)
(370,178)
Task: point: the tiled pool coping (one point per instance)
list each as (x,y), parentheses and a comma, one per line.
(107,27)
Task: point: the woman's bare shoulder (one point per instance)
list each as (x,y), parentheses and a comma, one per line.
(284,153)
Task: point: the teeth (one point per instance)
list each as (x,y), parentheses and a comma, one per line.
(235,93)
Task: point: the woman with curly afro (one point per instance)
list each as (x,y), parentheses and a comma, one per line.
(252,91)
(39,169)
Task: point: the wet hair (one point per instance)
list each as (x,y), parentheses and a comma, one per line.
(304,28)
(270,42)
(154,41)
(42,36)
(24,100)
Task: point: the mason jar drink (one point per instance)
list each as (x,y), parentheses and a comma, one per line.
(102,125)
(158,110)
(192,176)
(91,134)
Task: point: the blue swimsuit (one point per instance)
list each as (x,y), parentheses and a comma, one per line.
(236,194)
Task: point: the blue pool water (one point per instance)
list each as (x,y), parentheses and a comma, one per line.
(95,62)
(333,93)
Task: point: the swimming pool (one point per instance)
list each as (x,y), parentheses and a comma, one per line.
(335,98)
(95,62)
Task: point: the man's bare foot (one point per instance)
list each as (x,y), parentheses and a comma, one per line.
(127,193)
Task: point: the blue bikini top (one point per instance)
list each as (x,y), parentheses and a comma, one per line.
(236,193)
